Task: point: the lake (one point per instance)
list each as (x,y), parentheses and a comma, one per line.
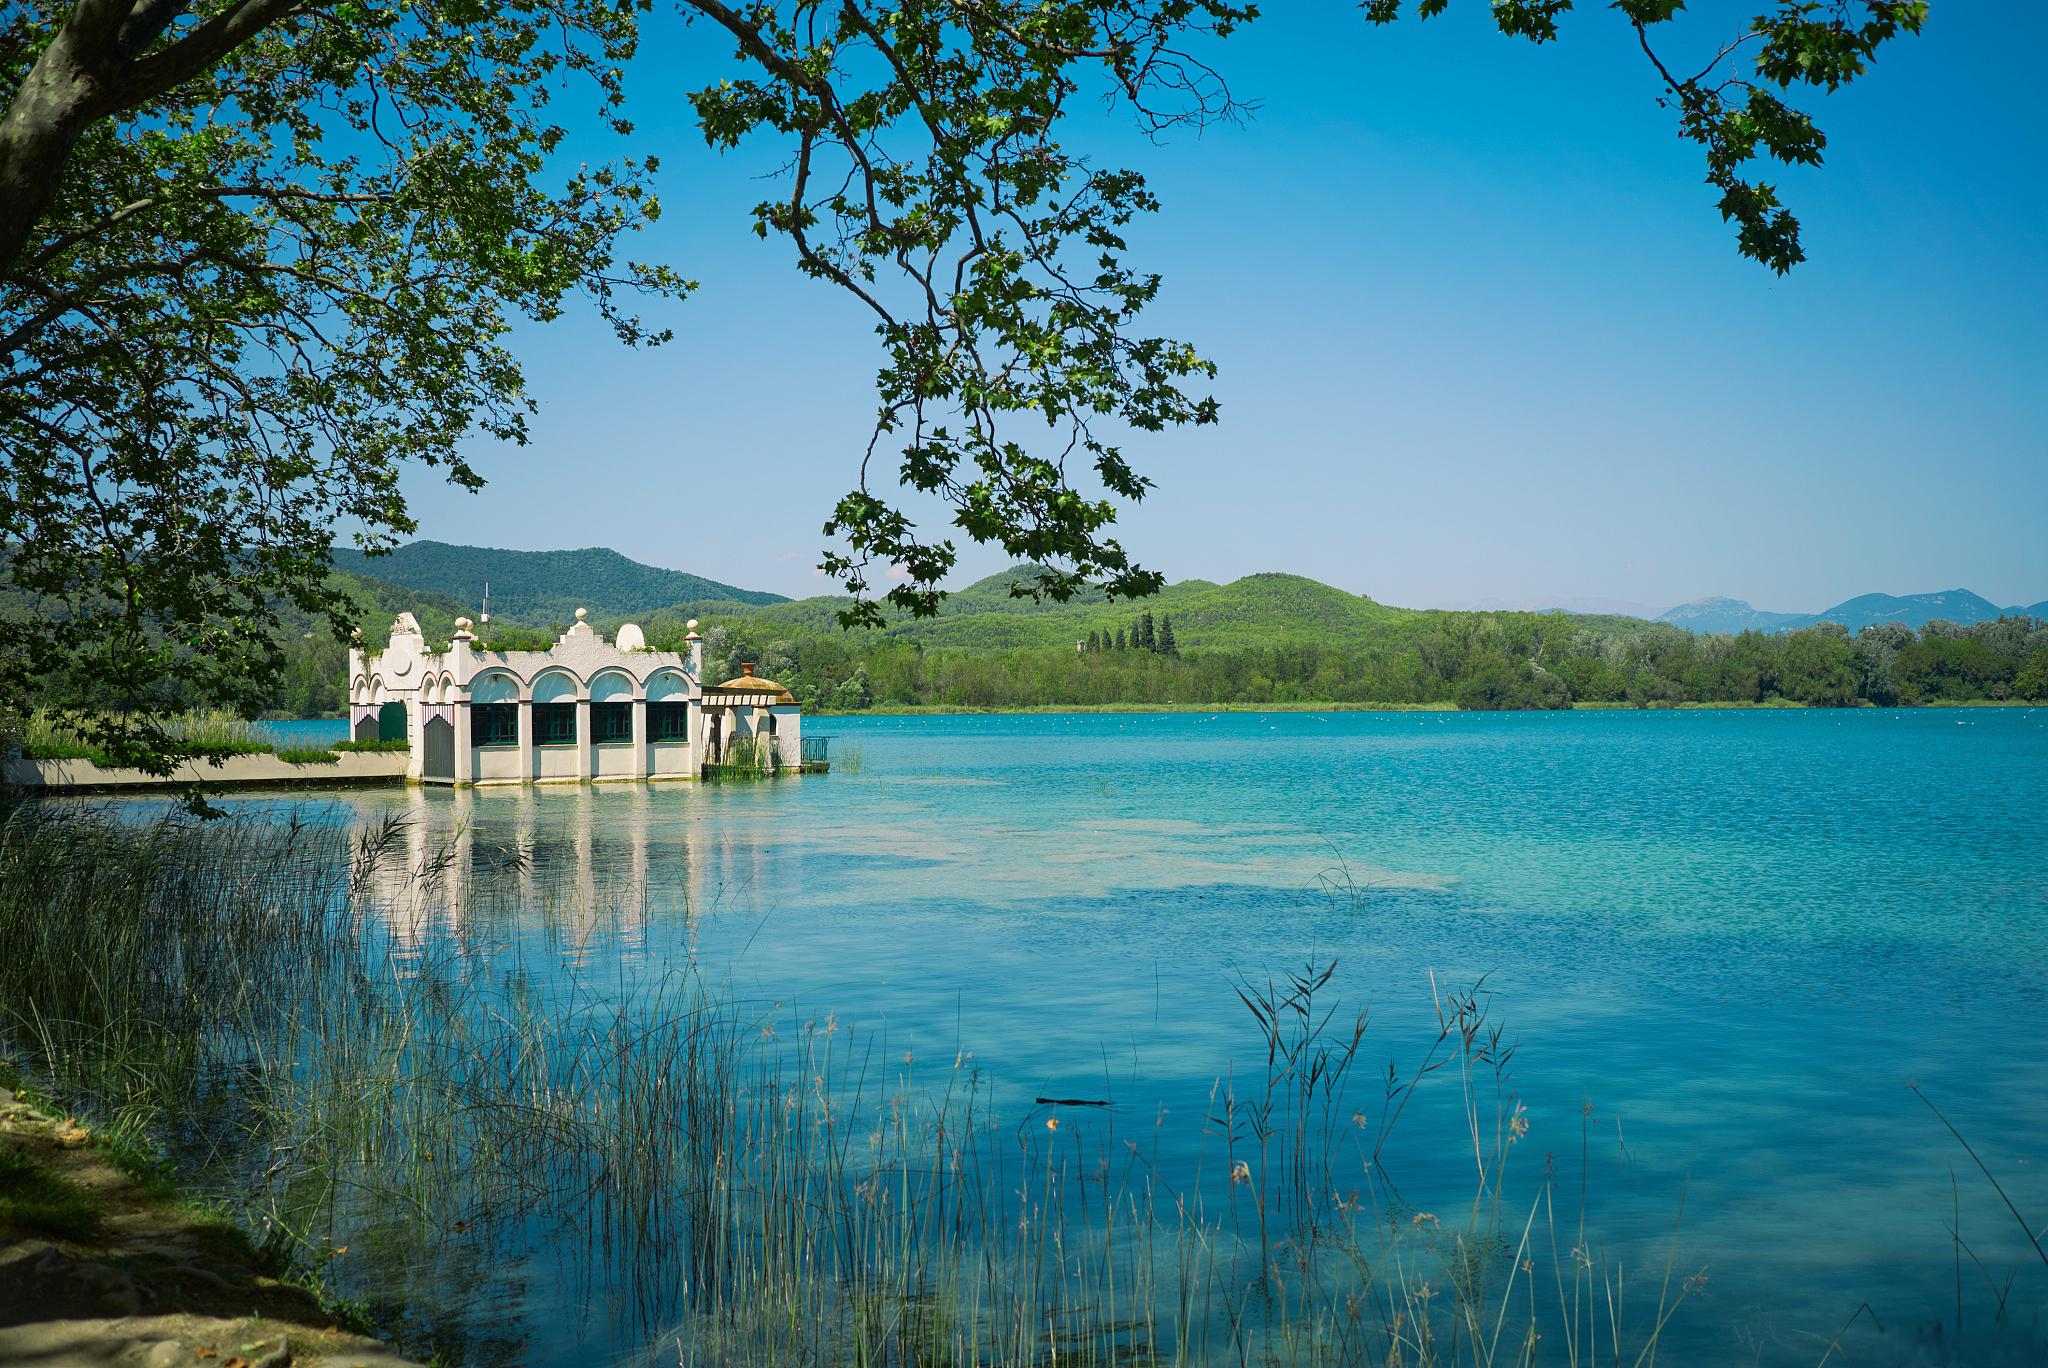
(1722,943)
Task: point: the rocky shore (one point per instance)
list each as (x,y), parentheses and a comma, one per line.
(97,1269)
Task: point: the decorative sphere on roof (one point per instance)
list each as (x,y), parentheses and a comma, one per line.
(462,623)
(582,613)
(690,626)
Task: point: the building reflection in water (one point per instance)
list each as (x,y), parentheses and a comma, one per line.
(620,871)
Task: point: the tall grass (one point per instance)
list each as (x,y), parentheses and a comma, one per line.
(745,757)
(311,1022)
(49,736)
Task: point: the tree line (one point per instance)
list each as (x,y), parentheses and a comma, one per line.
(1474,660)
(1144,636)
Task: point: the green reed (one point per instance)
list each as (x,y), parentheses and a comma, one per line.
(348,1036)
(215,734)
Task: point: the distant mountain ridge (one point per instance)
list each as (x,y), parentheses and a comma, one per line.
(1728,615)
(542,587)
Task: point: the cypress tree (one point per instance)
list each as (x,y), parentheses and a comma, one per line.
(1120,638)
(1166,643)
(1144,640)
(1094,642)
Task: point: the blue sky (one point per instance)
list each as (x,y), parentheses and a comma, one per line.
(1482,337)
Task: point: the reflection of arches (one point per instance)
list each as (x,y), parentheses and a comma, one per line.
(391,722)
(438,747)
(498,686)
(555,686)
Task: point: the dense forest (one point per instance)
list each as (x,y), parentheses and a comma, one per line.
(1475,660)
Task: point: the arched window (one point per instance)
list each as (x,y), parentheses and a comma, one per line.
(494,710)
(554,709)
(668,707)
(611,708)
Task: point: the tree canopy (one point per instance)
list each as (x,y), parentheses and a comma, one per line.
(257,256)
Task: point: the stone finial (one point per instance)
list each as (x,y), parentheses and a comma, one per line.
(582,613)
(462,632)
(691,625)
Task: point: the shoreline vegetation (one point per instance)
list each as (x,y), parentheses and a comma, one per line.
(753,1188)
(208,737)
(243,997)
(104,1257)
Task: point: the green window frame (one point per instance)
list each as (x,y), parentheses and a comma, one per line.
(494,724)
(554,724)
(668,721)
(611,723)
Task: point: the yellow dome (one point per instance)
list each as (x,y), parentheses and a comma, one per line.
(747,679)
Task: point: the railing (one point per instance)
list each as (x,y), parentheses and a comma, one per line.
(816,750)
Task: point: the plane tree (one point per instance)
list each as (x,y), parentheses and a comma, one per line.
(258,257)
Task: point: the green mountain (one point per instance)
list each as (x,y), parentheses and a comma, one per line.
(1261,611)
(541,586)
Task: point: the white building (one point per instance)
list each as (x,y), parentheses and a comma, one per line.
(583,710)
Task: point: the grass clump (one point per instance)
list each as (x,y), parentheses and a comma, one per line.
(308,755)
(37,1201)
(745,757)
(374,747)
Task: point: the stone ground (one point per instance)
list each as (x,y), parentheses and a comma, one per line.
(97,1271)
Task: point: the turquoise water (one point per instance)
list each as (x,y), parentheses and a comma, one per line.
(1725,942)
(312,731)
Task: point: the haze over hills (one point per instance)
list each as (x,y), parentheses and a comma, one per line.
(1866,610)
(1728,615)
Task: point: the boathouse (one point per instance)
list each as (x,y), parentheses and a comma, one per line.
(584,710)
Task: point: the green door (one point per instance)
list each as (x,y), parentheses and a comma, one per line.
(391,722)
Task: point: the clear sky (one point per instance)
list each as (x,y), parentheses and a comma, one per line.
(1482,337)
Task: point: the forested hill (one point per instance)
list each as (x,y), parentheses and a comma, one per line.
(1263,639)
(542,586)
(1257,611)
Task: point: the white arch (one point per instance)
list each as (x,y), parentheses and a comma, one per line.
(495,686)
(555,686)
(611,686)
(667,685)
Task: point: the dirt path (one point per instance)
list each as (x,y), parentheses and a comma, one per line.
(95,1270)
